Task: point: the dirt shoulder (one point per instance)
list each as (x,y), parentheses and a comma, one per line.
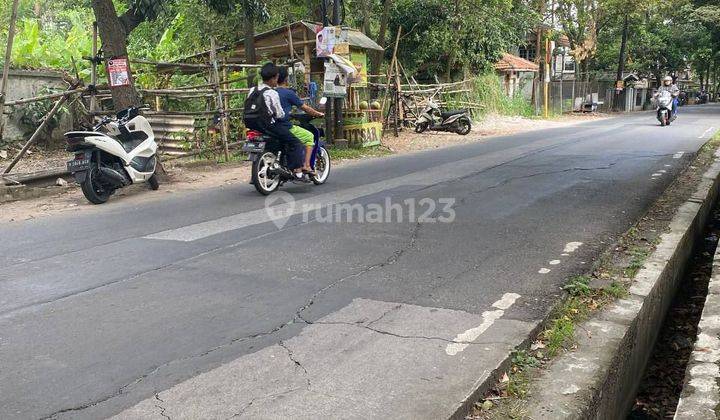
(184,175)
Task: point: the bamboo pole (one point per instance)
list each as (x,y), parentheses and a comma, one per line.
(93,74)
(167,64)
(6,67)
(306,57)
(38,130)
(390,69)
(291,47)
(215,76)
(43,97)
(199,152)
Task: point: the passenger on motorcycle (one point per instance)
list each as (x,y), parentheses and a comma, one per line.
(668,85)
(263,112)
(288,99)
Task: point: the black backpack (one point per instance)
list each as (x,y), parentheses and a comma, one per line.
(255,113)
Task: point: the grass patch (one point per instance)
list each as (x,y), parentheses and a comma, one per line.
(488,91)
(351,153)
(638,255)
(519,381)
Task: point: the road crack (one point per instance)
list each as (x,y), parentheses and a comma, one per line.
(392,259)
(383,332)
(297,363)
(161,407)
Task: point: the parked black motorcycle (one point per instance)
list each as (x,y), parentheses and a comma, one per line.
(432,118)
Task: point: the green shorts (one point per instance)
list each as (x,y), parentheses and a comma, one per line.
(303,135)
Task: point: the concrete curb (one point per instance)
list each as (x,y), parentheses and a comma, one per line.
(10,193)
(701,393)
(600,378)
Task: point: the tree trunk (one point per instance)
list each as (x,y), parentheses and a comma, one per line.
(377,56)
(249,42)
(621,63)
(113,34)
(366,11)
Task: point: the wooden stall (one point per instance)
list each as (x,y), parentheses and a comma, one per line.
(294,44)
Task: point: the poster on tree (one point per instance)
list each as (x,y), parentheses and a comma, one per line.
(118,72)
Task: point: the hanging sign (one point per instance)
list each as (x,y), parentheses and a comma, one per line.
(330,38)
(335,81)
(118,71)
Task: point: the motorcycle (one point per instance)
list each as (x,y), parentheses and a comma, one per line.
(122,154)
(664,102)
(268,156)
(432,118)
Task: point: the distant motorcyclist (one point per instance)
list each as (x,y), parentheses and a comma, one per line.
(669,86)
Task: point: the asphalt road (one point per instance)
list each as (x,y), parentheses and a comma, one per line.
(206,305)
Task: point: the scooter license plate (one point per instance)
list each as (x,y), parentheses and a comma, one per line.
(77,165)
(253,146)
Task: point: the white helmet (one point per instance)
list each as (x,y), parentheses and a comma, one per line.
(668,79)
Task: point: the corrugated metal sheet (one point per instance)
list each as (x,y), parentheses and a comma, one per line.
(173,133)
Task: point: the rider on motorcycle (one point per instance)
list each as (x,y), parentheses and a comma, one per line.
(288,99)
(265,115)
(668,85)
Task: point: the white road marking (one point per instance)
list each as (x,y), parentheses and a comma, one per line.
(705,132)
(565,254)
(425,177)
(668,166)
(662,171)
(678,155)
(506,301)
(572,246)
(543,270)
(656,174)
(554,262)
(489,317)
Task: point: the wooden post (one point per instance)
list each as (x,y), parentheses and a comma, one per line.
(392,67)
(291,46)
(40,128)
(215,78)
(306,56)
(6,67)
(93,74)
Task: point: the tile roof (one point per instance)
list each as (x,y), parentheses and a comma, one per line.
(515,63)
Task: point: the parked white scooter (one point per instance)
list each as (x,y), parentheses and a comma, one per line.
(122,155)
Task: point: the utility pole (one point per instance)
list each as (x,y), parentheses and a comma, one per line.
(329,122)
(337,107)
(621,65)
(546,83)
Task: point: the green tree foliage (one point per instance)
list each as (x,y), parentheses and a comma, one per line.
(451,39)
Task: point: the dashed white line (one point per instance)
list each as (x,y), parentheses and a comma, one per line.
(489,318)
(554,262)
(572,246)
(656,174)
(543,270)
(506,301)
(705,132)
(678,155)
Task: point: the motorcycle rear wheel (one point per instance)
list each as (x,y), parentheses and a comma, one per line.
(91,187)
(463,127)
(322,167)
(265,183)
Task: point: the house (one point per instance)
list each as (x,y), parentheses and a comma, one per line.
(516,74)
(562,63)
